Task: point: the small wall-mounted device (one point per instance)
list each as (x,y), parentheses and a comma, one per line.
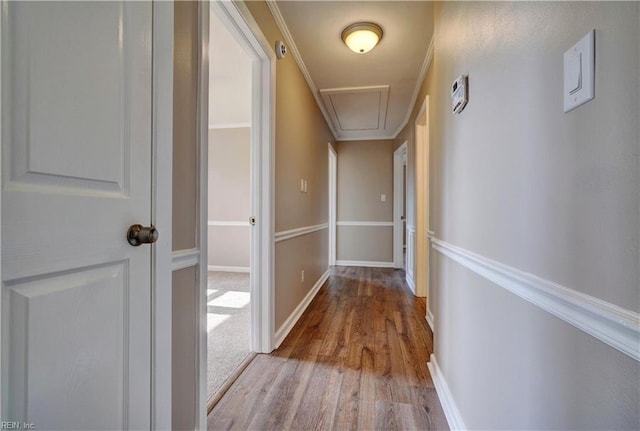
(459,93)
(281,49)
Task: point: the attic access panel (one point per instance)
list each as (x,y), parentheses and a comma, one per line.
(357,108)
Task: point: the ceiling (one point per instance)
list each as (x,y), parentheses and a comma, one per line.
(229,78)
(362,96)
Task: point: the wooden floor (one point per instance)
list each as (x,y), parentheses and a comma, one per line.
(356,360)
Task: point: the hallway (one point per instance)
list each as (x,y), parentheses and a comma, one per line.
(357,359)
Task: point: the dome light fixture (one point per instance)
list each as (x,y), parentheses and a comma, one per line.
(362,37)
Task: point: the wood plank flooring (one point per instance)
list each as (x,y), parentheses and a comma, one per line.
(356,360)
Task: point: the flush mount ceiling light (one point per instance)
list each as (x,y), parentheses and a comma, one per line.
(362,37)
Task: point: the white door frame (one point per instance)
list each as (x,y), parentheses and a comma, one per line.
(161,214)
(422,201)
(233,15)
(241,23)
(333,184)
(399,184)
(161,211)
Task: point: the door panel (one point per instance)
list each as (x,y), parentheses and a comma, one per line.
(76,143)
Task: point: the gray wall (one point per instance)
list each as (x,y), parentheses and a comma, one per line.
(365,171)
(229,196)
(516,180)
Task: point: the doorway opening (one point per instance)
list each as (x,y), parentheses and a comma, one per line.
(229,205)
(400,206)
(333,189)
(422,204)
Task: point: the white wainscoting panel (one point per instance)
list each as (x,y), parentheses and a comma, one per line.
(288,325)
(454,418)
(611,324)
(411,249)
(288,234)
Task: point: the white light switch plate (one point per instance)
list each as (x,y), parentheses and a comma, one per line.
(579,72)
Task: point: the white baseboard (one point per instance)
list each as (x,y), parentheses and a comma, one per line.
(430,320)
(444,394)
(411,283)
(228,268)
(291,321)
(370,264)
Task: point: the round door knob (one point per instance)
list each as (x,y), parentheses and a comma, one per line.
(138,234)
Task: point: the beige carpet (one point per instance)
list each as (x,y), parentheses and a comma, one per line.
(228,326)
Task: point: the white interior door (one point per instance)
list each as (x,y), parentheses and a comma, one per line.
(76,173)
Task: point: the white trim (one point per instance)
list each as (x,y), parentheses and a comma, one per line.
(230,126)
(202,206)
(228,268)
(611,324)
(428,58)
(292,233)
(399,186)
(366,223)
(451,412)
(229,223)
(430,320)
(291,321)
(411,249)
(4,15)
(410,283)
(275,11)
(333,193)
(161,214)
(182,259)
(367,263)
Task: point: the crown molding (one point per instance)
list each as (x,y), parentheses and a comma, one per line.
(288,38)
(428,58)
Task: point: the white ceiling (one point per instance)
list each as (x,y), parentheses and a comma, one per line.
(337,75)
(229,78)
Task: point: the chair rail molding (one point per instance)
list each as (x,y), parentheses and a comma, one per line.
(181,259)
(366,223)
(293,233)
(609,323)
(228,223)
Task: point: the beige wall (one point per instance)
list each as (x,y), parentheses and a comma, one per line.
(184,336)
(301,153)
(365,172)
(185,179)
(185,165)
(516,180)
(365,244)
(229,196)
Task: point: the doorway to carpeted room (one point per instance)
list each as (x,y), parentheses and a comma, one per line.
(230,193)
(228,326)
